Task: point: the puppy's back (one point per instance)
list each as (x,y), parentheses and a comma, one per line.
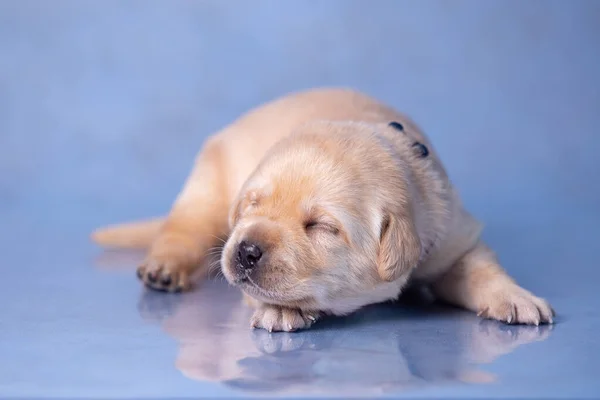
(248,139)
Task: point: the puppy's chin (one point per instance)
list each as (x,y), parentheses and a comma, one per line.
(258,284)
(253,289)
(287,298)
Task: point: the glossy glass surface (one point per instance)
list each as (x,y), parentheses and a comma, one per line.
(103,105)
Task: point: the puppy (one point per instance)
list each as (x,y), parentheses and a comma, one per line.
(328,201)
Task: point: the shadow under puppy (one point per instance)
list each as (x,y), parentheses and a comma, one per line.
(329,201)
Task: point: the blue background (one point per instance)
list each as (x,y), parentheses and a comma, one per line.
(103,105)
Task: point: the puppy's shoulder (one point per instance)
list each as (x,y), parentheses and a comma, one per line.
(462,233)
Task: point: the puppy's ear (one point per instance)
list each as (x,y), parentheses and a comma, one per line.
(399,247)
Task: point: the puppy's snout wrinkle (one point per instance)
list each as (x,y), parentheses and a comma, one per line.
(249,254)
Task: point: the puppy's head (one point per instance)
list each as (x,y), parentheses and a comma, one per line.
(324,219)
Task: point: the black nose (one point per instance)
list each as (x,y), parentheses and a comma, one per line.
(249,254)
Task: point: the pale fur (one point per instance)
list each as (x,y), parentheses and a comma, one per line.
(383,214)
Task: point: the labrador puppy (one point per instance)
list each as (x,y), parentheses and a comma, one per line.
(327,200)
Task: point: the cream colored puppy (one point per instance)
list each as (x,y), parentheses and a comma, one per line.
(329,201)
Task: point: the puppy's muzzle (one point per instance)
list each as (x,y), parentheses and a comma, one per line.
(248,255)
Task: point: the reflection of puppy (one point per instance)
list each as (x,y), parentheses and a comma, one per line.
(337,202)
(385,349)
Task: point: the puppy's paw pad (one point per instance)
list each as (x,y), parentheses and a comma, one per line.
(161,273)
(515,305)
(282,319)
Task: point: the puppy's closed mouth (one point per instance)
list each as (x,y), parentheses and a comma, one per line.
(243,279)
(248,284)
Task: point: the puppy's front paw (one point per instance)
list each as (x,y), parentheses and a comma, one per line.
(282,319)
(515,305)
(168,267)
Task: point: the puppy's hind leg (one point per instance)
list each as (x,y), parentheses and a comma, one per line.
(196,223)
(478,283)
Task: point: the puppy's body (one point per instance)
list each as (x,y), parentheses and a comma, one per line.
(330,201)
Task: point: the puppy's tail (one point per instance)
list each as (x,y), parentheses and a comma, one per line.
(131,235)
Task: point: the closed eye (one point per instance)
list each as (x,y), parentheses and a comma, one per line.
(314,225)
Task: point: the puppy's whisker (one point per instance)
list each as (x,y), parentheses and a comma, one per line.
(220,239)
(214,251)
(214,266)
